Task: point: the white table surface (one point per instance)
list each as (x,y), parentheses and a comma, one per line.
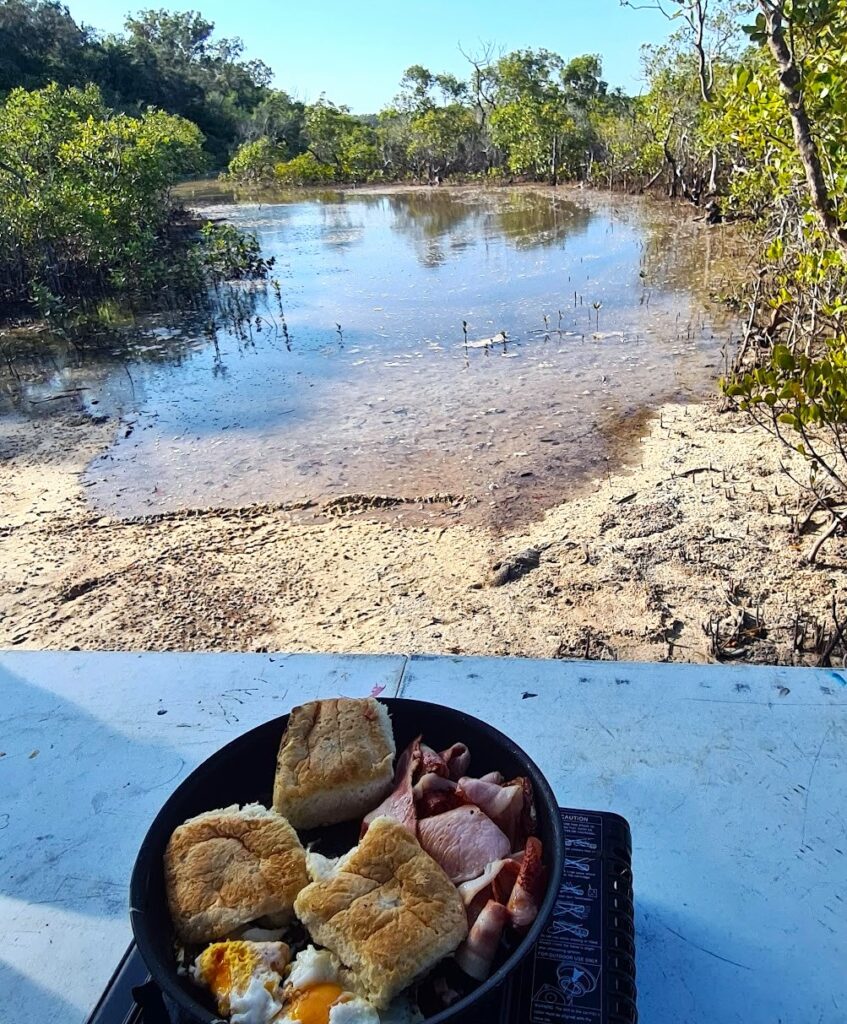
(733,781)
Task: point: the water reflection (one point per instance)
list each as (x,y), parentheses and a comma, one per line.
(532,220)
(350,372)
(339,228)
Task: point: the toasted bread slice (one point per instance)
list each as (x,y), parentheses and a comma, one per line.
(228,867)
(335,761)
(387,911)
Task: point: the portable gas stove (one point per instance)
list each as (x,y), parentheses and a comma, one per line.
(582,970)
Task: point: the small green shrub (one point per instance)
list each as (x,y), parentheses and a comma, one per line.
(304,169)
(255,163)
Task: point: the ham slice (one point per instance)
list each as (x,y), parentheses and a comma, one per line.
(463,841)
(435,794)
(476,954)
(528,890)
(503,804)
(433,762)
(458,760)
(433,783)
(400,802)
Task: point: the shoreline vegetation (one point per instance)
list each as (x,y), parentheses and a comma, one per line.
(89,228)
(743,115)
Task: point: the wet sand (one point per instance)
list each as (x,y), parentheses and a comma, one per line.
(686,553)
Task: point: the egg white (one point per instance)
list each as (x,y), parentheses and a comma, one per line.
(314,967)
(320,967)
(255,1005)
(311,967)
(353,1011)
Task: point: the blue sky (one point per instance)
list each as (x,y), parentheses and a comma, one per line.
(356,52)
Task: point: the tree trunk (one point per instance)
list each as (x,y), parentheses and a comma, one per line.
(698,23)
(713,174)
(790,83)
(675,175)
(554,175)
(653,180)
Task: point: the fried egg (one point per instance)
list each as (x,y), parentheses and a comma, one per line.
(245,979)
(316,992)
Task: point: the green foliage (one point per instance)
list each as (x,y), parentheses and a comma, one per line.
(752,127)
(279,119)
(255,163)
(630,152)
(803,399)
(440,137)
(85,209)
(668,134)
(797,388)
(531,133)
(169,60)
(304,169)
(542,112)
(341,140)
(226,254)
(41,43)
(538,118)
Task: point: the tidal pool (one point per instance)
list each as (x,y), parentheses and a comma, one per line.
(501,345)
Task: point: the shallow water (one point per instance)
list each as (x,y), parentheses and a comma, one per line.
(359,379)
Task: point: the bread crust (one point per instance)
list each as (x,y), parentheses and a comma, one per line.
(388,912)
(227,867)
(335,761)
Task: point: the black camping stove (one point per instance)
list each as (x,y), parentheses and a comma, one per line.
(582,970)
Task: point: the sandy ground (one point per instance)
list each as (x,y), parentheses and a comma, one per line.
(655,563)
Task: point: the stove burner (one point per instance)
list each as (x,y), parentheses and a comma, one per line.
(582,970)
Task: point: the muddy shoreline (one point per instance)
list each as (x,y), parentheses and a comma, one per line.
(687,555)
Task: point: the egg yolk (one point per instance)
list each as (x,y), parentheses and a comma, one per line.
(312,1005)
(219,973)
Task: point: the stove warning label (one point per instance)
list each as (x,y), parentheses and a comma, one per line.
(566,984)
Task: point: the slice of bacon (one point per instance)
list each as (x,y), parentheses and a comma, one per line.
(463,841)
(528,825)
(458,760)
(495,883)
(400,802)
(497,880)
(528,890)
(476,954)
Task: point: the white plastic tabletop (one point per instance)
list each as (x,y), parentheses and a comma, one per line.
(733,781)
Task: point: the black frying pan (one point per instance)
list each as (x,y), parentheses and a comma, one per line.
(243,772)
